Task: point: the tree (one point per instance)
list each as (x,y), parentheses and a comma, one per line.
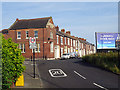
(12,62)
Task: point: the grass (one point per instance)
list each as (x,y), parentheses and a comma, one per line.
(108,61)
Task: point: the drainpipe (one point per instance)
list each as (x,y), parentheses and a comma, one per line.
(43,43)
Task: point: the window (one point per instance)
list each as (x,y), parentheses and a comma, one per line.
(22,47)
(68,50)
(74,43)
(71,49)
(71,42)
(51,35)
(65,40)
(82,45)
(68,41)
(51,47)
(27,36)
(74,50)
(78,44)
(37,48)
(36,34)
(65,49)
(62,40)
(18,35)
(57,39)
(61,51)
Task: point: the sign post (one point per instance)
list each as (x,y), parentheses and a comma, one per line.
(32,44)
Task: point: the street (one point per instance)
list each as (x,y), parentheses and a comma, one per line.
(73,73)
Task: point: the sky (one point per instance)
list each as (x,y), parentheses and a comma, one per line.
(83,19)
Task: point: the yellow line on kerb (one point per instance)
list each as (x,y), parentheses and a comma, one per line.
(20,81)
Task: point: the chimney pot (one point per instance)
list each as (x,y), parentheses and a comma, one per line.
(57,28)
(63,30)
(17,19)
(68,32)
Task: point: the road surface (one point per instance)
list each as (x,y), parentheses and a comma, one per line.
(73,73)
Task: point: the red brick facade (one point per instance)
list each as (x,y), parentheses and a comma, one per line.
(45,40)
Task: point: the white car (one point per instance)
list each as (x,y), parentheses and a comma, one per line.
(65,56)
(73,55)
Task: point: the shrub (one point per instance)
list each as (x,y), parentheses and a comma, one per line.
(12,63)
(108,61)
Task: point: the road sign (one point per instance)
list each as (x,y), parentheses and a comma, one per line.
(32,42)
(57,73)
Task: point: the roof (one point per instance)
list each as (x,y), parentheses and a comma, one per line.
(4,31)
(64,34)
(30,23)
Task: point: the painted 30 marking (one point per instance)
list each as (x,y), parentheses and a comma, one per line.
(57,73)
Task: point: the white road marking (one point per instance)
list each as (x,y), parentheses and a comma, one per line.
(79,75)
(100,86)
(55,72)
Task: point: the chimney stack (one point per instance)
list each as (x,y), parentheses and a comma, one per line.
(68,32)
(63,30)
(57,28)
(17,19)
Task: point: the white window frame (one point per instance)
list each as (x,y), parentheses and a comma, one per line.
(71,49)
(51,47)
(71,42)
(23,48)
(18,35)
(27,34)
(51,35)
(37,33)
(61,40)
(68,50)
(68,41)
(61,51)
(38,49)
(65,40)
(82,45)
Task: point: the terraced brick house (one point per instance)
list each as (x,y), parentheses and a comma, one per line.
(51,42)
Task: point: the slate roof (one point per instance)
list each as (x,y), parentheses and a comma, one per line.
(29,23)
(64,34)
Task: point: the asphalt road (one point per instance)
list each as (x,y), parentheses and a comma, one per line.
(74,74)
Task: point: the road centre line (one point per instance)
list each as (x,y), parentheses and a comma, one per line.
(79,75)
(100,86)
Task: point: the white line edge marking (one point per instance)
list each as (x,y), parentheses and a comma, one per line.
(100,86)
(56,76)
(79,75)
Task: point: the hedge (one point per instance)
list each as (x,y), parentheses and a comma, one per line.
(12,63)
(108,61)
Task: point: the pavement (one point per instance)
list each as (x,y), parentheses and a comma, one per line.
(29,80)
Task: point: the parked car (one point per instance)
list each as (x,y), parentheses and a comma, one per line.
(65,56)
(73,55)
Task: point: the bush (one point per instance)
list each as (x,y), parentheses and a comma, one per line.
(12,63)
(108,61)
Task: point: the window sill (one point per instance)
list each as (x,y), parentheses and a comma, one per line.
(22,52)
(37,52)
(18,38)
